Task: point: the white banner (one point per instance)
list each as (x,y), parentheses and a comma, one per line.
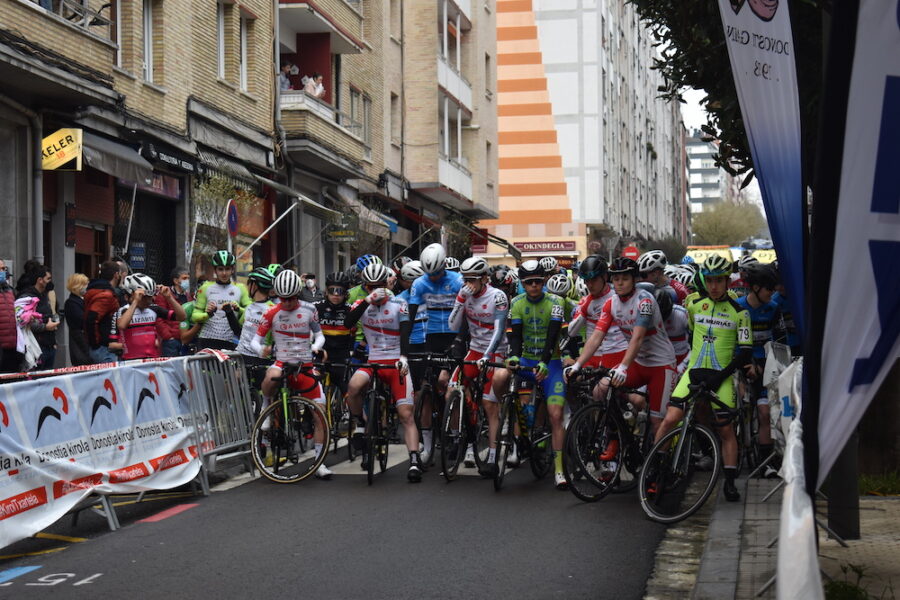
(117,430)
(861,338)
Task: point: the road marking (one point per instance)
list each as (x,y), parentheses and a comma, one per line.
(236,481)
(169,512)
(61,538)
(10,574)
(50,551)
(396,455)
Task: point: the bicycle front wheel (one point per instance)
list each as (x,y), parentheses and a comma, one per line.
(481,443)
(506,437)
(277,445)
(539,440)
(453,435)
(679,475)
(587,437)
(373,435)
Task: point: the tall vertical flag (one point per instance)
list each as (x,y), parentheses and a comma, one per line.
(855,241)
(761,49)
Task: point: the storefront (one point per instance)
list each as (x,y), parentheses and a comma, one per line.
(565,251)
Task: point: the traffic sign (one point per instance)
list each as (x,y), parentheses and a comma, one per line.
(232,216)
(631,252)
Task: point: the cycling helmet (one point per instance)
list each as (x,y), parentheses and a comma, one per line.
(687,260)
(274,269)
(451,264)
(499,275)
(665,302)
(411,271)
(366,259)
(623,265)
(474,265)
(223,258)
(685,277)
(339,279)
(287,284)
(397,263)
(512,278)
(671,271)
(745,261)
(374,273)
(592,266)
(761,275)
(549,264)
(576,265)
(691,266)
(581,287)
(139,280)
(530,269)
(715,266)
(433,258)
(559,284)
(652,260)
(262,277)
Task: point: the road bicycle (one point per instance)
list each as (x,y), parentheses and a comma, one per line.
(533,440)
(381,422)
(336,408)
(464,420)
(278,438)
(434,364)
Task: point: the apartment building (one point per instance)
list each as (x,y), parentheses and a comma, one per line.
(708,183)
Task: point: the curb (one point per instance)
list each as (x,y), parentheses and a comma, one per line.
(720,561)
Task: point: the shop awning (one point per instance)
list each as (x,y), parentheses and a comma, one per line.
(392,223)
(369,220)
(115,159)
(225,166)
(310,207)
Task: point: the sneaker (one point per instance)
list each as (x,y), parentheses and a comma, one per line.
(612,450)
(561,483)
(414,475)
(324,472)
(513,458)
(730,491)
(488,470)
(770,472)
(469,461)
(426,457)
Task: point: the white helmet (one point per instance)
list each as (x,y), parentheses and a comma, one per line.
(374,273)
(513,277)
(745,261)
(581,287)
(559,284)
(670,271)
(474,265)
(139,280)
(549,263)
(287,284)
(685,277)
(451,264)
(432,258)
(649,261)
(411,271)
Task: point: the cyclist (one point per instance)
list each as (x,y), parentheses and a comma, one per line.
(738,279)
(292,323)
(219,305)
(451,264)
(333,311)
(484,309)
(787,316)
(675,318)
(536,318)
(141,321)
(357,293)
(437,290)
(721,343)
(550,265)
(386,326)
(411,271)
(652,266)
(765,317)
(259,283)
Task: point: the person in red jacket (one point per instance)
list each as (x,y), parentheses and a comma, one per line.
(11,358)
(100,306)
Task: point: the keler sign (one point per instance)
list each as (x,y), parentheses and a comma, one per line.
(61,150)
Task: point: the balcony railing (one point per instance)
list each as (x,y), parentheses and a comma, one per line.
(79,15)
(454,83)
(299,100)
(455,176)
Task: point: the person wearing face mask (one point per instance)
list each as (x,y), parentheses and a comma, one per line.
(100,306)
(180,288)
(79,351)
(43,322)
(11,358)
(311,292)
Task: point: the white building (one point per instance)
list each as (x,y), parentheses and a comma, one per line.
(708,184)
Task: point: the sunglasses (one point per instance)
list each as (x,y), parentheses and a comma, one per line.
(471,278)
(374,286)
(337,291)
(533,282)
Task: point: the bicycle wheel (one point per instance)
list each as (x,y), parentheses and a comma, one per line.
(539,440)
(388,428)
(453,435)
(506,438)
(276,437)
(373,433)
(587,436)
(672,466)
(481,443)
(425,396)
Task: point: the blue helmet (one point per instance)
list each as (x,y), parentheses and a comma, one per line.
(687,260)
(367,259)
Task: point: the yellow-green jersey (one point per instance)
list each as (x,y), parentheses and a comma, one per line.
(720,329)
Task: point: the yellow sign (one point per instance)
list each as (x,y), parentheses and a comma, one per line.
(61,150)
(765,255)
(701,253)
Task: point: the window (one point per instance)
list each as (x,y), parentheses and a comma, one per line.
(148,40)
(396,122)
(366,120)
(220,39)
(395,7)
(116,24)
(488,75)
(243,54)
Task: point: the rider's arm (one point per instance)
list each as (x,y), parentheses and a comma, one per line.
(233,321)
(550,343)
(405,329)
(257,343)
(200,316)
(499,327)
(744,353)
(592,343)
(355,314)
(318,336)
(457,314)
(515,338)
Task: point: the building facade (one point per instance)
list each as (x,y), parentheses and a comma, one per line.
(708,184)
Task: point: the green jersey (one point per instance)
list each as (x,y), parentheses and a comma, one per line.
(353,296)
(535,318)
(720,328)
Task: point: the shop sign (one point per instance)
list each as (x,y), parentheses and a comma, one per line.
(61,150)
(151,152)
(162,184)
(478,240)
(336,234)
(549,247)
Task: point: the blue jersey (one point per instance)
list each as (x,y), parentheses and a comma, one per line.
(763,319)
(784,305)
(438,297)
(417,335)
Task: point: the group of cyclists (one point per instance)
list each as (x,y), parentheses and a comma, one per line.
(653,325)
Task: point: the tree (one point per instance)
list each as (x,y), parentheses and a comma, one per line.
(726,223)
(672,246)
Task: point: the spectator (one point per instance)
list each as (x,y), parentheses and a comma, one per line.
(100,306)
(11,343)
(33,310)
(79,350)
(284,79)
(181,286)
(314,86)
(311,292)
(124,271)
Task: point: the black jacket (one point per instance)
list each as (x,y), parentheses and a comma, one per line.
(79,350)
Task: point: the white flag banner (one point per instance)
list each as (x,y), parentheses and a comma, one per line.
(862,325)
(63,438)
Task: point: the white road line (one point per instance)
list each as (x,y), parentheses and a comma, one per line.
(397,454)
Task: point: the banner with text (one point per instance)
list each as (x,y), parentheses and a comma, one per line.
(116,430)
(761,50)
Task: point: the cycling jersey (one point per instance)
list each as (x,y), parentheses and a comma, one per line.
(677,330)
(486,315)
(763,320)
(338,337)
(787,316)
(142,335)
(250,321)
(417,335)
(737,285)
(353,296)
(639,309)
(381,327)
(216,327)
(292,331)
(681,292)
(438,297)
(535,318)
(590,310)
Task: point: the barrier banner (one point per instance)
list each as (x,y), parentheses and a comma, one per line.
(761,52)
(118,430)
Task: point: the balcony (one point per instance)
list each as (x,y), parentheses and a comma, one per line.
(341,19)
(456,86)
(464,7)
(321,138)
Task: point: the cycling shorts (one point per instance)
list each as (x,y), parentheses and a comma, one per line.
(554,386)
(309,386)
(659,382)
(401,387)
(470,372)
(417,367)
(725,391)
(610,360)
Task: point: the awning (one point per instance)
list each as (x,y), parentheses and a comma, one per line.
(115,159)
(369,220)
(392,223)
(225,166)
(310,207)
(415,216)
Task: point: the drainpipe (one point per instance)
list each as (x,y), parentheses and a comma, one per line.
(37,175)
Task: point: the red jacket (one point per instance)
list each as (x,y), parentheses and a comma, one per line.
(7,317)
(100,306)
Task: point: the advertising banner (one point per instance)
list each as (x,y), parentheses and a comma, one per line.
(112,431)
(761,50)
(61,150)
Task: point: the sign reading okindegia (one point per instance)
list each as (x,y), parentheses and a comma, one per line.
(761,50)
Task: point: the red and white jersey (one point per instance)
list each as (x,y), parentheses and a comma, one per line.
(680,291)
(292,331)
(640,310)
(486,314)
(381,326)
(590,308)
(677,330)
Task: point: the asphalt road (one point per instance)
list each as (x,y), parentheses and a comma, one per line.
(344,539)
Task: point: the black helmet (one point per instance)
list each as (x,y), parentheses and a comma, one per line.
(531,269)
(338,278)
(623,265)
(592,266)
(499,273)
(762,275)
(664,300)
(262,277)
(223,258)
(398,263)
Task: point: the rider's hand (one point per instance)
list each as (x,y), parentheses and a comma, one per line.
(618,375)
(541,371)
(482,361)
(512,362)
(377,296)
(403,366)
(266,352)
(137,294)
(211,307)
(569,372)
(465,291)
